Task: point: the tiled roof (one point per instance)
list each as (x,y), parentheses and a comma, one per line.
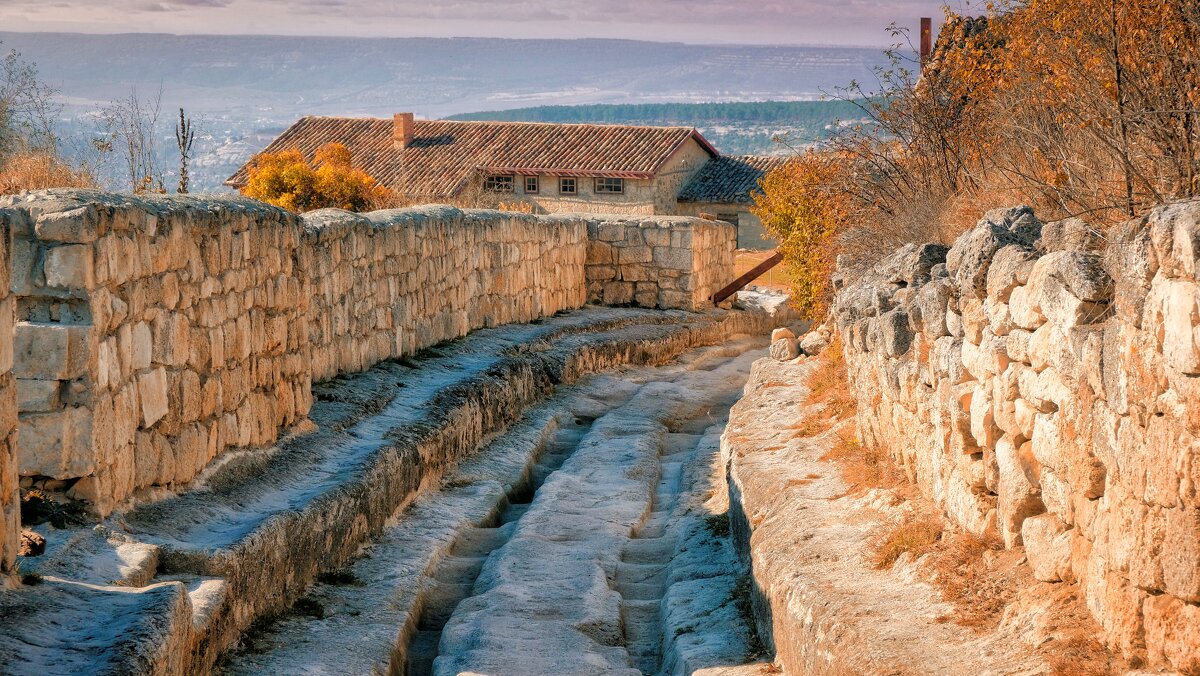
(444,154)
(729,179)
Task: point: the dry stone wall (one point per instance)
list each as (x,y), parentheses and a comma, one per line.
(10,508)
(666,262)
(1043,386)
(153,334)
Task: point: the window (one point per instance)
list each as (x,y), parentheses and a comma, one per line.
(566,186)
(498,184)
(612,186)
(531,185)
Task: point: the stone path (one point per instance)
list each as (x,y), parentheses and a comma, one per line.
(552,551)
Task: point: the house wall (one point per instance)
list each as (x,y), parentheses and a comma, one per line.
(642,196)
(154,334)
(750,231)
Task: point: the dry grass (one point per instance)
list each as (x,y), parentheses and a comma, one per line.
(963,575)
(828,383)
(863,467)
(775,278)
(38,171)
(915,535)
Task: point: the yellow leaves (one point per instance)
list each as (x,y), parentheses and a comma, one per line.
(803,205)
(286,180)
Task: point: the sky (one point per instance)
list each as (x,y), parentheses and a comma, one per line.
(824,22)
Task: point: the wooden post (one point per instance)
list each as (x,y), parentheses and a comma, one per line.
(926,39)
(747,278)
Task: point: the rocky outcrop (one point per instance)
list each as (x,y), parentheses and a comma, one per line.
(1045,390)
(154,334)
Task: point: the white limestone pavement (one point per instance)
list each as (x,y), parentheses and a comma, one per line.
(550,600)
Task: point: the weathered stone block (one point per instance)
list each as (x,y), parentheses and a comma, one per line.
(38,395)
(49,351)
(76,225)
(1048,546)
(69,267)
(152,393)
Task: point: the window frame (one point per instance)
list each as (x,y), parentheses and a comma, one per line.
(494,183)
(537,185)
(562,182)
(608,185)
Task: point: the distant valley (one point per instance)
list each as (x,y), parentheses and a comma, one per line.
(246,89)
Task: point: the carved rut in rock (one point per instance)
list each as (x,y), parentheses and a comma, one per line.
(549,552)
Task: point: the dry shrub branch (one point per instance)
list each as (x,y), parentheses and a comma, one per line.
(1085,108)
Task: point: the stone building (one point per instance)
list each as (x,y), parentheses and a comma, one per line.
(555,168)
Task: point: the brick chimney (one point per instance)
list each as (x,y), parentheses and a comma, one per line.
(402,130)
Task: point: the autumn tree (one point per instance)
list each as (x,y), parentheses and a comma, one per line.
(804,206)
(287,180)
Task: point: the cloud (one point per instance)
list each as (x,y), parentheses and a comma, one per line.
(794,21)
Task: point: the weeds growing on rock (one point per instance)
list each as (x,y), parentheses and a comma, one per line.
(740,597)
(341,578)
(718,524)
(37,507)
(914,535)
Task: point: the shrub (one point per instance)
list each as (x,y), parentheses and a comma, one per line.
(802,205)
(287,180)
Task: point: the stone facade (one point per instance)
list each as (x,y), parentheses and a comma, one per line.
(666,262)
(1042,388)
(154,334)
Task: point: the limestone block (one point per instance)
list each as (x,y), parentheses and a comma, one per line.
(50,351)
(1180,554)
(56,444)
(895,333)
(26,274)
(611,232)
(781,333)
(932,300)
(634,254)
(784,349)
(38,395)
(974,319)
(677,259)
(1024,415)
(1048,547)
(69,267)
(1172,631)
(75,225)
(152,393)
(1018,495)
(1022,310)
(1016,344)
(1172,311)
(618,293)
(1175,234)
(141,347)
(983,423)
(813,343)
(1009,269)
(600,253)
(968,261)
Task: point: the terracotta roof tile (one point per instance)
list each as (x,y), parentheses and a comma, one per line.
(729,179)
(445,154)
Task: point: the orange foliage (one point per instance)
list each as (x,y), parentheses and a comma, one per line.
(285,179)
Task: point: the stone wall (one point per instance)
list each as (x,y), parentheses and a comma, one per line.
(153,334)
(389,283)
(10,507)
(1043,387)
(664,261)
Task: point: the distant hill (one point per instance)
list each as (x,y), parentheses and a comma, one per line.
(741,128)
(682,114)
(246,89)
